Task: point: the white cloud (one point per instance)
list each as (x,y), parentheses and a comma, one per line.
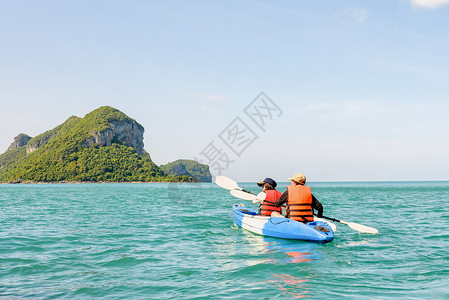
(359,15)
(428,3)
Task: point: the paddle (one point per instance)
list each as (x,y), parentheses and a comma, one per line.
(359,227)
(236,191)
(229,184)
(245,196)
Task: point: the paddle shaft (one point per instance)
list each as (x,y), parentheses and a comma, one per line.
(332,219)
(246,191)
(355,226)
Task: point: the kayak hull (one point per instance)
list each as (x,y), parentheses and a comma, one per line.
(316,231)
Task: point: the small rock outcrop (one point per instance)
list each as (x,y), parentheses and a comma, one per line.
(19,141)
(180,167)
(37,142)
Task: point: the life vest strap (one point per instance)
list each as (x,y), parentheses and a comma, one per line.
(269,202)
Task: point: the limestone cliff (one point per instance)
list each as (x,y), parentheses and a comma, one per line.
(19,141)
(40,140)
(129,132)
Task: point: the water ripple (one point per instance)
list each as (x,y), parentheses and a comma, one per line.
(140,241)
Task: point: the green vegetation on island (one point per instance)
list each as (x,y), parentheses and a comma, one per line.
(104,146)
(199,172)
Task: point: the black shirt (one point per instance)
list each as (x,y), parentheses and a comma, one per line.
(315,203)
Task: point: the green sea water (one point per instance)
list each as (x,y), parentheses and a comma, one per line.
(179,241)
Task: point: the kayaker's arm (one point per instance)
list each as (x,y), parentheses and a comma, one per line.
(283,199)
(318,206)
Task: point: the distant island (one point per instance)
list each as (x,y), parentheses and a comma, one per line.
(191,168)
(104,146)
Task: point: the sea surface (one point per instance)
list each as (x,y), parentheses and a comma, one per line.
(179,241)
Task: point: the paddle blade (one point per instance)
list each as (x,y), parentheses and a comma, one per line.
(362,228)
(226,183)
(242,195)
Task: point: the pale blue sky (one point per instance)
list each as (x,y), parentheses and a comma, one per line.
(363,85)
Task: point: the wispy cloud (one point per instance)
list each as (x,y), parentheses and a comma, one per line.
(343,109)
(428,3)
(208,109)
(359,15)
(208,102)
(209,97)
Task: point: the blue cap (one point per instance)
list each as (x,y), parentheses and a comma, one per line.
(267,180)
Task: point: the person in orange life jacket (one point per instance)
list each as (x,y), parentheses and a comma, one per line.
(300,201)
(269,188)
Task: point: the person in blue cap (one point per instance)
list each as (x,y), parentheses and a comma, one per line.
(267,207)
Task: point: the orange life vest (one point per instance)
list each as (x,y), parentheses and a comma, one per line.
(299,206)
(267,206)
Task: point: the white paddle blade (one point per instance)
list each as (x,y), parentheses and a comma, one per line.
(362,228)
(226,183)
(243,195)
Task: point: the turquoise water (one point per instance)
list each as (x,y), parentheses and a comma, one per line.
(153,241)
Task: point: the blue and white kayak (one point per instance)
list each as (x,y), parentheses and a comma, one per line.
(316,231)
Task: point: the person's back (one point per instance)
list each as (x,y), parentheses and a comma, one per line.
(300,201)
(299,205)
(267,205)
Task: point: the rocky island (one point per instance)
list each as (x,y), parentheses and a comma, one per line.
(199,172)
(104,146)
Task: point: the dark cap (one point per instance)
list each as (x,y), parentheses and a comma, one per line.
(267,180)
